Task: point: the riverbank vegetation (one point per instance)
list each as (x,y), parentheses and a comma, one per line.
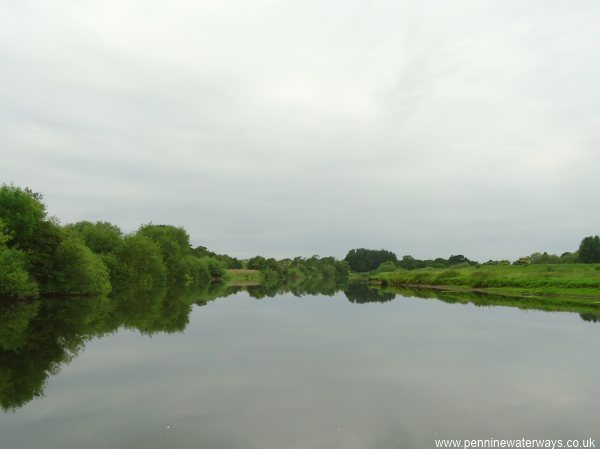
(315,267)
(572,273)
(582,280)
(40,257)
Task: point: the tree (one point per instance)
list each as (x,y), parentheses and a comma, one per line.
(457,259)
(140,263)
(26,228)
(15,281)
(224,259)
(525,260)
(101,237)
(79,271)
(386,267)
(544,258)
(362,259)
(408,262)
(589,250)
(15,319)
(341,269)
(174,244)
(569,257)
(257,263)
(22,213)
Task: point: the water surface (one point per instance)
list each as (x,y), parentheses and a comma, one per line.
(350,370)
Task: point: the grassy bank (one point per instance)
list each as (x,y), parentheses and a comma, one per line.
(243,277)
(573,280)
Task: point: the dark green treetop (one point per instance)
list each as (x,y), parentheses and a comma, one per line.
(589,250)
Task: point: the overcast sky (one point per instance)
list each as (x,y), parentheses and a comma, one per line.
(288,128)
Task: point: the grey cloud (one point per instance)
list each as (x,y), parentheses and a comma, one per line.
(287,128)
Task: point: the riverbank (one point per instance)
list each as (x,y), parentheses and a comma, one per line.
(569,280)
(243,277)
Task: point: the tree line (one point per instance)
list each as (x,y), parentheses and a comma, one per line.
(364,260)
(38,256)
(324,268)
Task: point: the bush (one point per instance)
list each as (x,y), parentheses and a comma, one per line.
(15,281)
(140,263)
(78,270)
(386,267)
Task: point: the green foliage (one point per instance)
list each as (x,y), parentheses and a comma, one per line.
(526,260)
(457,260)
(4,238)
(314,267)
(589,250)
(194,269)
(174,244)
(446,275)
(216,268)
(226,261)
(101,237)
(37,255)
(409,263)
(78,270)
(385,267)
(558,278)
(342,270)
(497,262)
(42,252)
(569,257)
(257,263)
(363,260)
(15,280)
(140,263)
(104,239)
(545,258)
(21,212)
(439,262)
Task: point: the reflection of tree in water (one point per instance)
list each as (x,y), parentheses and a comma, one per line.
(268,289)
(297,287)
(214,291)
(588,311)
(52,337)
(15,320)
(151,311)
(36,338)
(360,293)
(314,286)
(594,318)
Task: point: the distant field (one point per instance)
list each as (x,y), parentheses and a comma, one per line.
(244,277)
(574,280)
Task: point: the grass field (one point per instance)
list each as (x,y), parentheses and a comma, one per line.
(244,277)
(574,280)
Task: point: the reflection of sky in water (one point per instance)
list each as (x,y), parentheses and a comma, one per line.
(321,372)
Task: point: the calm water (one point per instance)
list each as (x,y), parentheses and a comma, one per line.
(297,372)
